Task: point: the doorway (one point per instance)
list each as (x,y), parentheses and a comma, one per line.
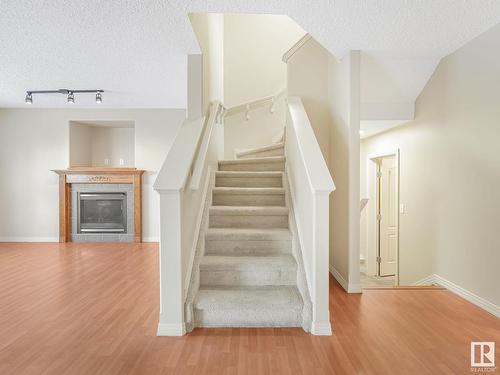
(382,221)
(387,212)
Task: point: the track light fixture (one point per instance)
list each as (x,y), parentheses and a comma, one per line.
(70,94)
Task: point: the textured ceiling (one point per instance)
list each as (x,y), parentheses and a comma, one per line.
(134,49)
(137,49)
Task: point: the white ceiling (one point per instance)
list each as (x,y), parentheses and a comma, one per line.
(136,49)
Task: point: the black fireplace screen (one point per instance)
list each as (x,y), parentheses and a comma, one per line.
(102,213)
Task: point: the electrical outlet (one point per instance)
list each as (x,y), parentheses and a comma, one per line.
(402,208)
(106,161)
(122,162)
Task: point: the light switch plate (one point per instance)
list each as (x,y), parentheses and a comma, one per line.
(122,162)
(106,161)
(402,208)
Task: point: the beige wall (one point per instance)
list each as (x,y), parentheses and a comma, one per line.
(80,140)
(34,141)
(450,172)
(209,30)
(242,54)
(113,143)
(253,48)
(91,145)
(327,87)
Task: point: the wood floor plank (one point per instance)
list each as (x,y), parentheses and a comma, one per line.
(92,308)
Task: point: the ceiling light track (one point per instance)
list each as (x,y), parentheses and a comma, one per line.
(70,94)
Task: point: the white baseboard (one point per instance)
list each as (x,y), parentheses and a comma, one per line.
(29,239)
(166,329)
(336,274)
(354,288)
(150,239)
(55,239)
(349,288)
(462,292)
(429,280)
(321,329)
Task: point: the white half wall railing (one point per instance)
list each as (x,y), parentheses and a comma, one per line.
(310,187)
(182,184)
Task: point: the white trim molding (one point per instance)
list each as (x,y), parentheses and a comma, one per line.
(29,239)
(429,280)
(336,274)
(151,239)
(462,292)
(321,329)
(297,46)
(348,287)
(168,329)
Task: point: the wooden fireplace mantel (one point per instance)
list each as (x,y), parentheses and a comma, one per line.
(97,175)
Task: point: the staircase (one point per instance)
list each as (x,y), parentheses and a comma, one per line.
(247,273)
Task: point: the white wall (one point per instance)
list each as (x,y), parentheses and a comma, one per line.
(35,141)
(80,140)
(450,172)
(242,61)
(258,131)
(92,144)
(330,91)
(113,143)
(253,47)
(209,30)
(344,99)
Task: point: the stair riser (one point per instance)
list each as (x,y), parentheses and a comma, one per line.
(248,221)
(253,277)
(251,248)
(252,167)
(221,199)
(249,318)
(262,154)
(248,182)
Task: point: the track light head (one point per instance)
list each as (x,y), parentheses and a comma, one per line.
(71,97)
(28,99)
(98,97)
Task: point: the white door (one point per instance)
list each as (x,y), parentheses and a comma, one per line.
(388,215)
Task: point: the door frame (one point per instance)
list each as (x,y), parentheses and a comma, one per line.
(372,211)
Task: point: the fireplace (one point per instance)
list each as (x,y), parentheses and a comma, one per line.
(102,212)
(100,204)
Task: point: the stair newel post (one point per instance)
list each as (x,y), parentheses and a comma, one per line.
(321,315)
(172,322)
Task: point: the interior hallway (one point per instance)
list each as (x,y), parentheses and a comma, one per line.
(82,308)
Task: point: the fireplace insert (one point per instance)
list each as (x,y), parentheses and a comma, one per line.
(102,212)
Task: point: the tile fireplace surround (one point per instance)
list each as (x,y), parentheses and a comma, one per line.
(97,179)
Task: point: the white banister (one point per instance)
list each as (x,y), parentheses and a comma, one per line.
(183,184)
(316,168)
(199,163)
(177,165)
(310,186)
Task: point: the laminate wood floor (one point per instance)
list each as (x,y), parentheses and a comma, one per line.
(83,308)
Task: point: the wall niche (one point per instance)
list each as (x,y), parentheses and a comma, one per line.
(102,143)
